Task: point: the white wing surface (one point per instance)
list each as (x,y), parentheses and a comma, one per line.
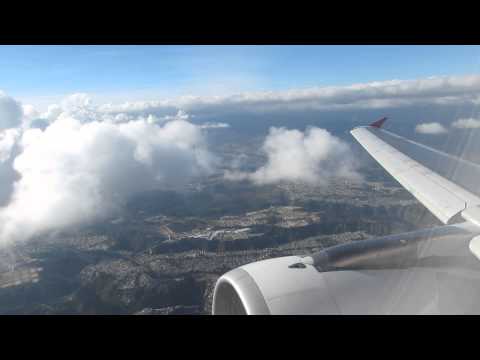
(443,197)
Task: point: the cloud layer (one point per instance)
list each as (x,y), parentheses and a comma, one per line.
(210,125)
(469,123)
(432,128)
(11,112)
(79,161)
(313,156)
(374,95)
(81,167)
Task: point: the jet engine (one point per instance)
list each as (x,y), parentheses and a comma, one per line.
(429,271)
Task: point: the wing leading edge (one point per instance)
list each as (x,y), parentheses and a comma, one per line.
(444,198)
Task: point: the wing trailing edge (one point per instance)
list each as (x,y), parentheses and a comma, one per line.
(442,197)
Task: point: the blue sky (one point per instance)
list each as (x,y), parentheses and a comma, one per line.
(36,74)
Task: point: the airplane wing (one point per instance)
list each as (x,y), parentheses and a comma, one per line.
(442,197)
(430,271)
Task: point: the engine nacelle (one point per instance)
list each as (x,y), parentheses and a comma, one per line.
(426,272)
(245,290)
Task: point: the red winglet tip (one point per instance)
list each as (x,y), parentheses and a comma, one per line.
(379,123)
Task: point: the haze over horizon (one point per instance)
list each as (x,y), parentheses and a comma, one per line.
(41,75)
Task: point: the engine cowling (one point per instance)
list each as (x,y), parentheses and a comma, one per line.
(425,272)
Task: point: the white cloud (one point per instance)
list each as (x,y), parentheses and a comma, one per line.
(8,138)
(433,128)
(52,113)
(29,112)
(313,156)
(82,166)
(78,105)
(469,123)
(373,95)
(11,112)
(76,102)
(210,125)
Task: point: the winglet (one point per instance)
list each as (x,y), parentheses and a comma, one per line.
(379,123)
